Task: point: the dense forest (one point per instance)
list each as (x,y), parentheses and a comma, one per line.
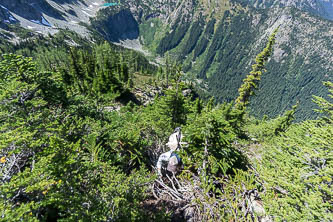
(77,144)
(216,45)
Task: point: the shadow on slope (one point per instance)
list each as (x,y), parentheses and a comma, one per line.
(119,26)
(32,10)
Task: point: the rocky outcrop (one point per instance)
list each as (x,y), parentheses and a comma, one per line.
(146,96)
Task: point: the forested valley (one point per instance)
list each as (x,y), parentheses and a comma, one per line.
(82,126)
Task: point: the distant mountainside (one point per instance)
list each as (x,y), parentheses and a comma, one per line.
(215,41)
(322,8)
(50,16)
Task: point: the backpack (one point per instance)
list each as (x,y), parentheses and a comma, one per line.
(174,163)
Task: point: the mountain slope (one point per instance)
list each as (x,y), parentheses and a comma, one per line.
(50,16)
(218,43)
(301,59)
(214,41)
(322,8)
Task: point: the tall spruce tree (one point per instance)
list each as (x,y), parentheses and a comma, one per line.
(251,82)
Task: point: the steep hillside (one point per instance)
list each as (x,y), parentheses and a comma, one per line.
(215,41)
(66,154)
(322,8)
(301,59)
(91,131)
(50,16)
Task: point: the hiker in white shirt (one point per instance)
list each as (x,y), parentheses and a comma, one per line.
(171,157)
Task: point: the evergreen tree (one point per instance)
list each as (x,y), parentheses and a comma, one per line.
(167,68)
(252,80)
(326,107)
(198,106)
(50,152)
(67,155)
(285,121)
(210,104)
(210,136)
(76,69)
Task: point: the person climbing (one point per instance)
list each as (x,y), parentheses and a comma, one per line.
(171,157)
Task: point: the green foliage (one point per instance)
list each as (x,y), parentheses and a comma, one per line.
(225,48)
(203,42)
(297,171)
(326,107)
(102,73)
(65,156)
(285,121)
(150,31)
(210,136)
(49,52)
(57,162)
(198,106)
(97,74)
(172,39)
(22,104)
(252,80)
(97,190)
(266,129)
(195,33)
(217,202)
(166,113)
